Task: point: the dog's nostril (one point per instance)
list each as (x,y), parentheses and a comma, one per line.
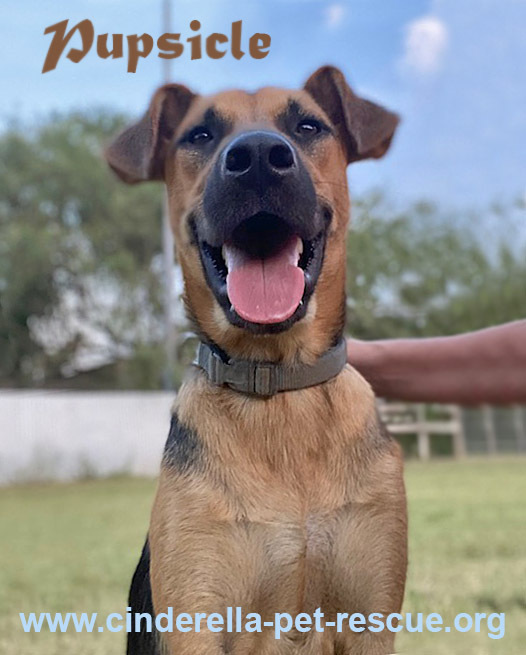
(280,156)
(238,159)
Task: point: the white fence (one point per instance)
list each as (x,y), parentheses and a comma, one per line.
(61,435)
(408,418)
(457,431)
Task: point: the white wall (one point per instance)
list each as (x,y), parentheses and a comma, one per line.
(61,435)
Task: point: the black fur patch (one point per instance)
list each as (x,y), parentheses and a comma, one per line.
(140,601)
(183,451)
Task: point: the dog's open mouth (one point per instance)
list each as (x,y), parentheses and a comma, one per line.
(264,274)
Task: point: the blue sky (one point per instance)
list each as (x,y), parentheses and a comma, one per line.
(455,70)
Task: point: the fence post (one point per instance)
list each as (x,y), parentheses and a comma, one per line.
(489,429)
(424,445)
(520,430)
(459,438)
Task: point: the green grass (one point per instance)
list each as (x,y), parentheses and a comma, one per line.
(74,547)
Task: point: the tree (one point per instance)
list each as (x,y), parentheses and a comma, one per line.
(421,272)
(79,265)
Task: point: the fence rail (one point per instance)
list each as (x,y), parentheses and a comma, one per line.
(436,421)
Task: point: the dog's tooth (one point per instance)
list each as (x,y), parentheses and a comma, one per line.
(300,246)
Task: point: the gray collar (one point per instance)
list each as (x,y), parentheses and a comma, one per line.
(268,378)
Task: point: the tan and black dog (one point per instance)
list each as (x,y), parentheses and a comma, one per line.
(279,491)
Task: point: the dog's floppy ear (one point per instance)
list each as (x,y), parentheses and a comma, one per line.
(138,153)
(366,129)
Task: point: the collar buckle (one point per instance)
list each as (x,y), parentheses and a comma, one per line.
(263,379)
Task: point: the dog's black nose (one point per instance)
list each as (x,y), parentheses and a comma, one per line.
(259,157)
(258,172)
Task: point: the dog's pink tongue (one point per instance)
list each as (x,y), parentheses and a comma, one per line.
(265,290)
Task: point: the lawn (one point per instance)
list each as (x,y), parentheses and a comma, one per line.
(74,547)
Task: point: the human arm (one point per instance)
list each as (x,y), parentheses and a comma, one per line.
(487,366)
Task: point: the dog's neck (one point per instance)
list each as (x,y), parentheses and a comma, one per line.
(303,343)
(268,378)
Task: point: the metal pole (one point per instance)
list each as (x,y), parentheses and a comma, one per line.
(168,244)
(167,22)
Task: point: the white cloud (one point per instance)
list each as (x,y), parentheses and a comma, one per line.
(334,15)
(425,44)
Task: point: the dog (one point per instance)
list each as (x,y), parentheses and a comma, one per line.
(280,490)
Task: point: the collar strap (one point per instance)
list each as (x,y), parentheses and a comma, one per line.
(268,378)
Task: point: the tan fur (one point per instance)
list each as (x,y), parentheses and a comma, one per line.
(301,506)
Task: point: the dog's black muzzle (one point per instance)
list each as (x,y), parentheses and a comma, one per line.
(259,172)
(258,195)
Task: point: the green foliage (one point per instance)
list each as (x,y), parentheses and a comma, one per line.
(79,251)
(422,273)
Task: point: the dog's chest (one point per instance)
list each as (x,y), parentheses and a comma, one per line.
(282,457)
(258,498)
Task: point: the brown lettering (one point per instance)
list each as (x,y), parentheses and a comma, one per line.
(195,41)
(236,39)
(259,45)
(135,53)
(102,46)
(61,39)
(211,45)
(170,46)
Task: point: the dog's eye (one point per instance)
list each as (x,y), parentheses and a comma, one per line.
(200,135)
(308,127)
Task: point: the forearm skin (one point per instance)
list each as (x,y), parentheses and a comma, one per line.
(488,366)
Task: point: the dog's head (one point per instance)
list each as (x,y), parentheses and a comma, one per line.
(259,204)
